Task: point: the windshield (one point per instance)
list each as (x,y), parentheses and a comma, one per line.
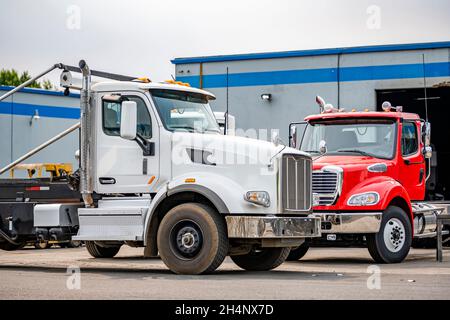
(184,111)
(370,137)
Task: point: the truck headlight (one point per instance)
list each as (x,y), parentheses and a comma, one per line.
(258,197)
(364,199)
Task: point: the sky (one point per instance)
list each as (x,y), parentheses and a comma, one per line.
(140,37)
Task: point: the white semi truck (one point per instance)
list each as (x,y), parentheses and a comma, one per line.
(152,176)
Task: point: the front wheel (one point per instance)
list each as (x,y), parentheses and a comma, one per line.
(262,259)
(192,239)
(392,242)
(101,252)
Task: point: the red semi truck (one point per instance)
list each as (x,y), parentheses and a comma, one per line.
(369,179)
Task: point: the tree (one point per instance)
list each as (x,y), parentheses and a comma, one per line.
(11,78)
(25,76)
(46,84)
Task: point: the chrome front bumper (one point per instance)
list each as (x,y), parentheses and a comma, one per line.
(272,227)
(354,222)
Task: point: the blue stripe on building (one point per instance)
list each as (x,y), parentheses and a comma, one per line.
(24,109)
(316,52)
(323,75)
(362,73)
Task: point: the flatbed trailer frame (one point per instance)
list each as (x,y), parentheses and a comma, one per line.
(18,197)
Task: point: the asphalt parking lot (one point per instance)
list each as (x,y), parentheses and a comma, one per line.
(324,273)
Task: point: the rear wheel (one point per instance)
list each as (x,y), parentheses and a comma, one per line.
(8,246)
(392,243)
(192,239)
(42,245)
(262,259)
(74,244)
(101,252)
(71,244)
(299,252)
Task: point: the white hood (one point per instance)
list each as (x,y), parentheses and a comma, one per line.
(231,150)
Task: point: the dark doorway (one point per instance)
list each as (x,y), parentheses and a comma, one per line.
(412,100)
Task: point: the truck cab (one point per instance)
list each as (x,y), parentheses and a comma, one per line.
(369,179)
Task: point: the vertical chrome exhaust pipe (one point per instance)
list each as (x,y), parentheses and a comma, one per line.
(86,185)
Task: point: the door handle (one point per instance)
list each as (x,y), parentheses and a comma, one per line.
(421,174)
(408,162)
(107,180)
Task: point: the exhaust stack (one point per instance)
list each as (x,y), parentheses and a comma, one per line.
(86,185)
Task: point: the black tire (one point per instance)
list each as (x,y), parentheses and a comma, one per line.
(101,252)
(263,259)
(299,252)
(383,249)
(192,239)
(8,246)
(74,244)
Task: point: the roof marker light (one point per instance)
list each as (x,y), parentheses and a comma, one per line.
(143,79)
(177,82)
(386,106)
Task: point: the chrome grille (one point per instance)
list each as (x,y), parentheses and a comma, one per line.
(325,184)
(296,191)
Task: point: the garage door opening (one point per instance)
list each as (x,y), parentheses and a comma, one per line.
(413,100)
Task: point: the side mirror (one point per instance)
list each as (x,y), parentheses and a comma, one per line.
(426,134)
(293,137)
(323,146)
(128,120)
(296,133)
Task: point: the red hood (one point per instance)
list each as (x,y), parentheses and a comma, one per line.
(345,162)
(354,175)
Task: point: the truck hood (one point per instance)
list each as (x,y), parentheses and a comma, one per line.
(222,147)
(230,166)
(348,163)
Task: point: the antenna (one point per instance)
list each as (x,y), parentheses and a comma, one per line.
(339,81)
(226,112)
(425,87)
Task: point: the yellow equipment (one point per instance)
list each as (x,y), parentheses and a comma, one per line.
(55,169)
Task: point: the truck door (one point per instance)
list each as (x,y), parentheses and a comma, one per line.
(121,166)
(411,163)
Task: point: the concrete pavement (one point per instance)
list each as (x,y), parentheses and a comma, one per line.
(324,273)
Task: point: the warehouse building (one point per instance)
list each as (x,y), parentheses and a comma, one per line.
(271,90)
(359,77)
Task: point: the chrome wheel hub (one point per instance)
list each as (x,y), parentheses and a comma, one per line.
(394,235)
(186,239)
